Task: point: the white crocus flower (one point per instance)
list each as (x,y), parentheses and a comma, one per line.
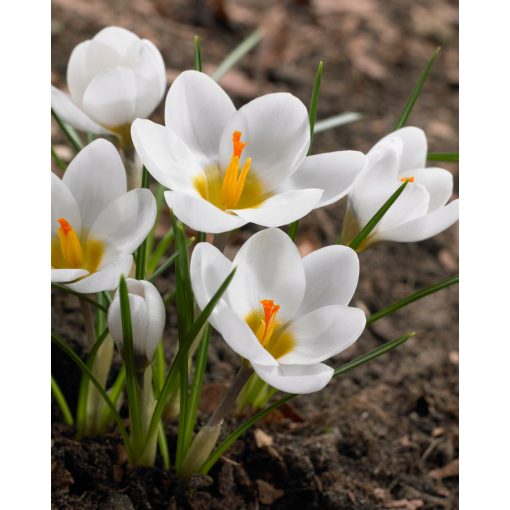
(95,224)
(284,314)
(147,320)
(421,211)
(226,168)
(113,78)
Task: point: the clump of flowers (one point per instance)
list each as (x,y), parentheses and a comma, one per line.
(218,169)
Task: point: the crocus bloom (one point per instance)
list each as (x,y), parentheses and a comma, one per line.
(284,314)
(420,211)
(147,320)
(113,78)
(226,168)
(95,224)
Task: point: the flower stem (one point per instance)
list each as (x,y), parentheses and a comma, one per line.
(89,323)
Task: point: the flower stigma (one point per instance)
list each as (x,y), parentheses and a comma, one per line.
(68,252)
(264,325)
(407,179)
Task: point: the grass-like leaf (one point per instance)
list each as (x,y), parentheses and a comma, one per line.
(239,431)
(168,262)
(408,108)
(141,253)
(237,54)
(160,250)
(85,369)
(198,55)
(67,290)
(376,218)
(412,297)
(62,402)
(68,132)
(58,161)
(336,120)
(443,156)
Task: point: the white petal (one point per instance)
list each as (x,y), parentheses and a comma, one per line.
(296,378)
(67,275)
(87,60)
(439,184)
(268,267)
(105,279)
(138,312)
(201,215)
(323,333)
(332,172)
(282,208)
(150,79)
(208,270)
(72,115)
(239,336)
(424,227)
(376,183)
(96,177)
(125,223)
(413,152)
(197,109)
(63,205)
(117,38)
(167,158)
(277,132)
(331,277)
(110,98)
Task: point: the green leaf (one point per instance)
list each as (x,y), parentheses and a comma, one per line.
(443,156)
(182,354)
(68,132)
(408,108)
(160,198)
(312,115)
(141,253)
(62,402)
(56,158)
(239,52)
(67,290)
(163,446)
(412,297)
(160,250)
(120,424)
(114,393)
(198,55)
(239,431)
(372,223)
(336,120)
(168,262)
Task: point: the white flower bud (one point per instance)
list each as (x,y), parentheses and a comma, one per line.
(147,319)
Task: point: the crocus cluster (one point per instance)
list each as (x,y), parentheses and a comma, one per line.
(222,168)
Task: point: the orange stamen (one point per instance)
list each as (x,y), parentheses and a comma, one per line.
(238,145)
(70,245)
(270,311)
(407,179)
(65,226)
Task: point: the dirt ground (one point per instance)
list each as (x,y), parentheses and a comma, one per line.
(384,436)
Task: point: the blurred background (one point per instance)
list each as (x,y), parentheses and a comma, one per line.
(386,435)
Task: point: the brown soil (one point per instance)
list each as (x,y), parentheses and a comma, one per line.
(386,434)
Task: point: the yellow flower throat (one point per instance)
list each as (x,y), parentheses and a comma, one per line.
(237,187)
(67,252)
(265,326)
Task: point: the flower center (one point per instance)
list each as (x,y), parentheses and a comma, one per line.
(407,179)
(265,326)
(67,252)
(237,187)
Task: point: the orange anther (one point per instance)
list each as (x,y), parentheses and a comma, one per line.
(407,179)
(65,226)
(238,145)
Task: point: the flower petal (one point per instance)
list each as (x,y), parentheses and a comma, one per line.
(106,278)
(438,182)
(110,98)
(197,109)
(208,270)
(282,208)
(299,379)
(167,158)
(277,132)
(413,152)
(239,336)
(331,277)
(125,223)
(95,177)
(117,38)
(332,172)
(72,115)
(63,205)
(323,333)
(424,227)
(268,267)
(201,215)
(87,60)
(67,275)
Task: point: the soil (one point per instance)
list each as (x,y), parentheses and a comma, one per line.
(384,436)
